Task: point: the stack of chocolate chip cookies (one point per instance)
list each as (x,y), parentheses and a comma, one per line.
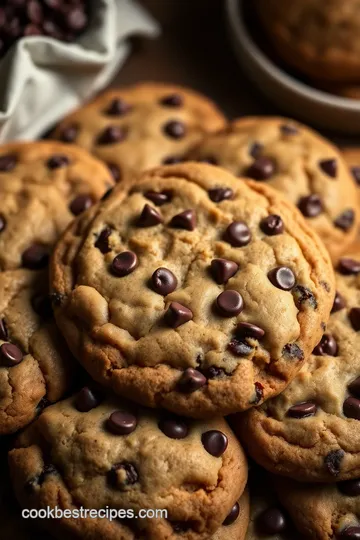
(157,333)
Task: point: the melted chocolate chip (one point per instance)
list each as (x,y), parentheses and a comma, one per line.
(174,428)
(329,167)
(229,303)
(303,297)
(159,198)
(3,330)
(118,107)
(354,387)
(345,220)
(121,423)
(255,149)
(238,234)
(355,171)
(175,129)
(347,266)
(214,372)
(124,263)
(149,217)
(327,346)
(80,204)
(232,516)
(86,400)
(115,172)
(35,257)
(38,480)
(310,206)
(211,160)
(69,133)
(177,315)
(272,225)
(7,163)
(185,220)
(122,475)
(354,316)
(259,394)
(289,129)
(339,303)
(191,380)
(302,410)
(292,351)
(263,168)
(333,461)
(245,329)
(2,223)
(10,355)
(172,160)
(102,241)
(240,347)
(220,194)
(215,442)
(222,270)
(350,533)
(351,408)
(351,488)
(271,521)
(282,277)
(172,100)
(163,281)
(58,161)
(111,135)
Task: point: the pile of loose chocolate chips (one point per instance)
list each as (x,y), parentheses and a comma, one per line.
(64,20)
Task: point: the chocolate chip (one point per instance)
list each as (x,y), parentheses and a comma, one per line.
(263,168)
(351,408)
(107,194)
(302,410)
(3,330)
(163,281)
(350,533)
(42,305)
(347,266)
(172,100)
(310,206)
(272,225)
(354,387)
(238,234)
(80,204)
(191,380)
(214,372)
(102,242)
(255,149)
(10,355)
(282,277)
(230,303)
(350,487)
(7,163)
(345,220)
(327,346)
(121,423)
(333,461)
(118,107)
(149,217)
(354,316)
(124,263)
(240,347)
(180,527)
(339,303)
(174,428)
(69,133)
(329,167)
(245,329)
(2,223)
(185,220)
(38,480)
(122,475)
(292,351)
(58,161)
(111,135)
(177,314)
(259,394)
(355,171)
(271,521)
(233,515)
(159,197)
(35,257)
(57,298)
(115,172)
(172,160)
(86,400)
(215,442)
(289,129)
(220,194)
(223,269)
(303,296)
(211,160)
(175,129)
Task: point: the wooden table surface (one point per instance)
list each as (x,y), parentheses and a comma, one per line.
(194,50)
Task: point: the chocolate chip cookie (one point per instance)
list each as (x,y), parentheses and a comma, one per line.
(192,290)
(142,126)
(43,185)
(323,511)
(98,452)
(322,43)
(311,431)
(290,157)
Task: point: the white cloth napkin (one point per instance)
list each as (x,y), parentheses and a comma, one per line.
(42,79)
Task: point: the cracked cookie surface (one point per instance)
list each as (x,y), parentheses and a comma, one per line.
(311,431)
(142,126)
(322,43)
(300,163)
(192,290)
(95,452)
(43,185)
